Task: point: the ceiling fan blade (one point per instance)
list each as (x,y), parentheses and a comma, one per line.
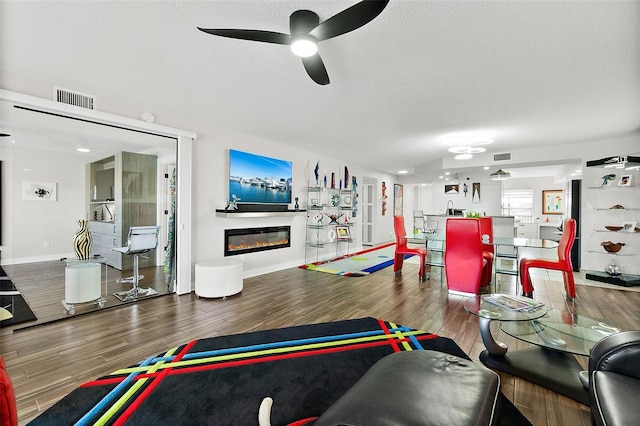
(316,70)
(302,21)
(349,19)
(253,35)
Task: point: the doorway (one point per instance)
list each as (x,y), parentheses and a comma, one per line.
(43,146)
(368,210)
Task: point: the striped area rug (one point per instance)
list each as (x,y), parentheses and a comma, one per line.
(357,264)
(223,380)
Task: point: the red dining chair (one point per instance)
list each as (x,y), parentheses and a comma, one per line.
(402,249)
(8,410)
(562,264)
(463,261)
(486,228)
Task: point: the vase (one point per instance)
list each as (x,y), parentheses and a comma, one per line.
(82,240)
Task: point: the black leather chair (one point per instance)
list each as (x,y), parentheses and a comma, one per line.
(414,388)
(614,379)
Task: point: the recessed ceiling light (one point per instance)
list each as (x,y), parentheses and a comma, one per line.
(402,172)
(486,167)
(83,150)
(447,173)
(440,177)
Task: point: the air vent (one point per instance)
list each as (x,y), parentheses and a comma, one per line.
(502,157)
(69,97)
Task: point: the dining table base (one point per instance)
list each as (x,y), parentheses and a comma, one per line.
(554,370)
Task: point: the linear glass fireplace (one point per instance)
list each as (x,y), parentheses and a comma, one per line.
(249,240)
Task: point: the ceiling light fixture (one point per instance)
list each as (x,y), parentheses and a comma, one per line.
(500,175)
(304,46)
(465,156)
(402,172)
(83,150)
(465,151)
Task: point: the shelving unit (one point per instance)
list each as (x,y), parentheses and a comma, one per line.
(122,193)
(323,206)
(616,210)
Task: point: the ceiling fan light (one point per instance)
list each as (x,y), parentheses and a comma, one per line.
(304,46)
(465,156)
(500,175)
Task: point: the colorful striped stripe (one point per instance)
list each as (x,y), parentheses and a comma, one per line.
(134,385)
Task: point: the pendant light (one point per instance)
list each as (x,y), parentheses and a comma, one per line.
(500,175)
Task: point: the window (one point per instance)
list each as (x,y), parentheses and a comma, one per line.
(518,203)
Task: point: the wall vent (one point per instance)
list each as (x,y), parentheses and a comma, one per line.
(69,97)
(502,157)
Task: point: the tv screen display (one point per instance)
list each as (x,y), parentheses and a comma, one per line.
(256,179)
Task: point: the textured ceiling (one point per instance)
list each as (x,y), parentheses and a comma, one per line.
(522,73)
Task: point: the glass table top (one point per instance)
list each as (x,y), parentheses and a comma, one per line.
(549,328)
(480,307)
(561,331)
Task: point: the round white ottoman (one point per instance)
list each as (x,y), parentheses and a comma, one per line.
(218,278)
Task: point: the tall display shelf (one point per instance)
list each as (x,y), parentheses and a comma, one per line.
(122,193)
(329,211)
(613,193)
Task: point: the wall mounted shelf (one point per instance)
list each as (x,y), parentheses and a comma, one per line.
(237,215)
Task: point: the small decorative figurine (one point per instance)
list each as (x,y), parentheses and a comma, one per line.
(316,172)
(296,206)
(233,204)
(607,178)
(334,217)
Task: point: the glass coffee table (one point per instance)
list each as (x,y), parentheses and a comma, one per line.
(557,336)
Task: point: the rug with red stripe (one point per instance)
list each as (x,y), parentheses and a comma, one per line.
(223,380)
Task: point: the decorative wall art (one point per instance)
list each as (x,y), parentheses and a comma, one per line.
(384,198)
(552,202)
(625,180)
(397,200)
(452,189)
(475,192)
(343,232)
(39,191)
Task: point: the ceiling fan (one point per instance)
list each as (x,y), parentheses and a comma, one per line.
(307,30)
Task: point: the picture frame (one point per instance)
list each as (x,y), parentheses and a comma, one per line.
(475,192)
(397,199)
(452,189)
(625,180)
(553,201)
(39,191)
(343,233)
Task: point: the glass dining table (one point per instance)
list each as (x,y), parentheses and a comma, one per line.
(505,248)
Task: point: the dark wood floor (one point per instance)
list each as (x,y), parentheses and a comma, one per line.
(49,361)
(42,284)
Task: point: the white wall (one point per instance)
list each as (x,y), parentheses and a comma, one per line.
(210,187)
(490,195)
(43,230)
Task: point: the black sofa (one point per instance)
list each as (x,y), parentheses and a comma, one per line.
(614,379)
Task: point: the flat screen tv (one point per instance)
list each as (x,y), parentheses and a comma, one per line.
(256,179)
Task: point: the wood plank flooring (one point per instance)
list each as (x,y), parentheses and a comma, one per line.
(47,362)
